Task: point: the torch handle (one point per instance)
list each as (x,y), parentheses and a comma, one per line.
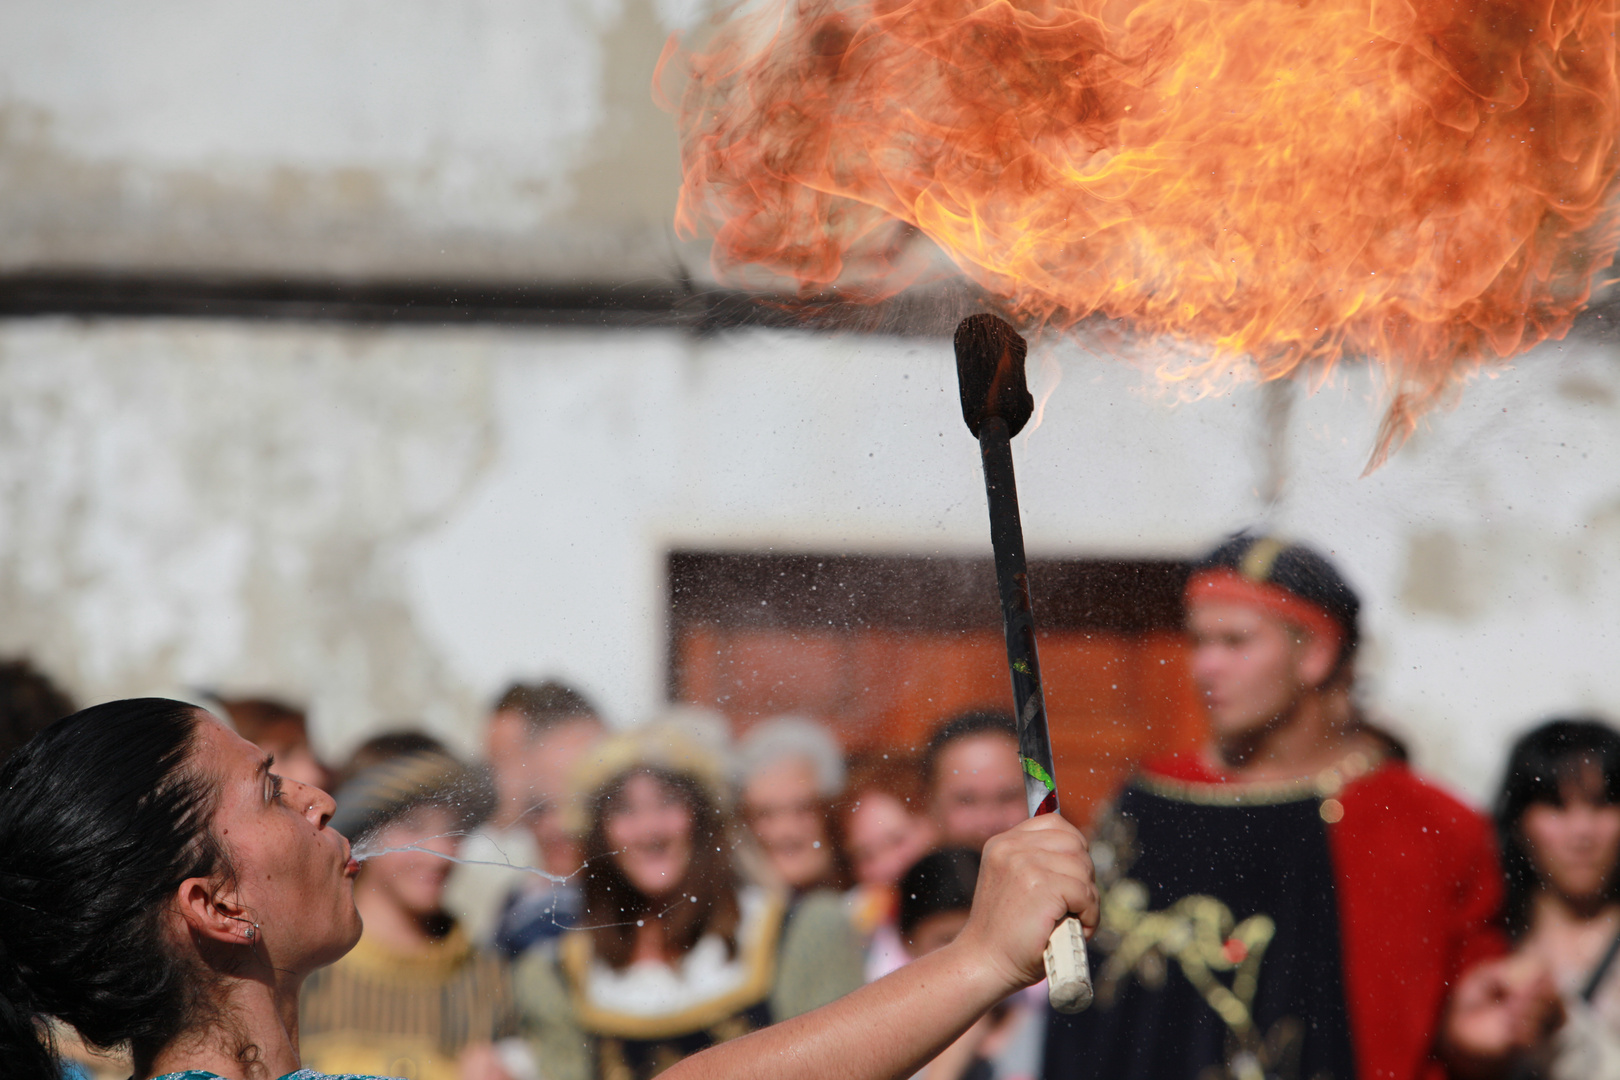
(1012,580)
(1068,972)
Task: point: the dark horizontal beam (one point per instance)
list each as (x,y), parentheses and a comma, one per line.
(647,304)
(665,303)
(751,590)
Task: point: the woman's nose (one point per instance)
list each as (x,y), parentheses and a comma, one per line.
(318,805)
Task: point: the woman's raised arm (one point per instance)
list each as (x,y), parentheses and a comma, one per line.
(1032,877)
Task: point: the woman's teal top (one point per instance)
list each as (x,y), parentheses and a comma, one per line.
(301,1074)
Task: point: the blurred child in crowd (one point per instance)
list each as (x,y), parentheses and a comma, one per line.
(534,735)
(883,828)
(675,951)
(414,998)
(1558,819)
(936,894)
(790,769)
(277,728)
(975,784)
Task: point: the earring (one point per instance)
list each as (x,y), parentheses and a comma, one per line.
(251,931)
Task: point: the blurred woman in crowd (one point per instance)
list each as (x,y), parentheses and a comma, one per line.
(883,828)
(414,998)
(790,770)
(675,951)
(163,889)
(1558,819)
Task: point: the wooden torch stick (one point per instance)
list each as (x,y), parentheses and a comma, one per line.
(996,405)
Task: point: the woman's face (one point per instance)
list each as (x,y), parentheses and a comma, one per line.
(1574,847)
(413,881)
(649,831)
(784,810)
(294,874)
(885,839)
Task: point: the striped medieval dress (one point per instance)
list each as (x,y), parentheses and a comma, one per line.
(379,1012)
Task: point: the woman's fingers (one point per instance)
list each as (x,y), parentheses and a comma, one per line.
(1031,878)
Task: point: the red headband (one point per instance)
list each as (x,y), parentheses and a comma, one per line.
(1228,585)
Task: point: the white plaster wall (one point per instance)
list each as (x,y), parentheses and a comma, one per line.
(483,138)
(391,523)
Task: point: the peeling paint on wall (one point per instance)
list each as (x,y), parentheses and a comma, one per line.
(185,506)
(489,139)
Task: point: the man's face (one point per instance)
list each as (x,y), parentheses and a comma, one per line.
(978,790)
(550,759)
(1246,664)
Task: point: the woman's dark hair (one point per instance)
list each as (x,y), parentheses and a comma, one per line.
(1543,766)
(939,882)
(707,895)
(102,816)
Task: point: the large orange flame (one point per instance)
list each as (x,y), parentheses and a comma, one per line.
(1424,182)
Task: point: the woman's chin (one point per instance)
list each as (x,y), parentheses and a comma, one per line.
(659,888)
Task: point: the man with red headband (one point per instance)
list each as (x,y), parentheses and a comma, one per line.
(1293,902)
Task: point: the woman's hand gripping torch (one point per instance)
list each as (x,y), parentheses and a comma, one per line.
(996,405)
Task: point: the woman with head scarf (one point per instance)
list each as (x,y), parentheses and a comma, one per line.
(414,997)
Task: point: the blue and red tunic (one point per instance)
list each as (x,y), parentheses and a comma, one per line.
(1308,930)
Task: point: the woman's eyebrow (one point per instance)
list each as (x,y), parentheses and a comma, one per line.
(264,766)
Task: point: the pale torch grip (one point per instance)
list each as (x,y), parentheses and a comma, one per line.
(1068,972)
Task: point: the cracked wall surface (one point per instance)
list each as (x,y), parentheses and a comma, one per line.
(489,139)
(190,507)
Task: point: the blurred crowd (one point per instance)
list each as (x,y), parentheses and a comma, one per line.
(595,899)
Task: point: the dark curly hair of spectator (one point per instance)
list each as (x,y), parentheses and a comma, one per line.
(29,703)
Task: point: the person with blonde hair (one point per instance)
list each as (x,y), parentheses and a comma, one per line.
(676,950)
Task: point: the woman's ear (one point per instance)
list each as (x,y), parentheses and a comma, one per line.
(213,915)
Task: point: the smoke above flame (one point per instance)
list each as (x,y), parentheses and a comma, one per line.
(1427,184)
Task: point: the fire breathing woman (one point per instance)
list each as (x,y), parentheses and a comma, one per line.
(677,951)
(162,888)
(1558,820)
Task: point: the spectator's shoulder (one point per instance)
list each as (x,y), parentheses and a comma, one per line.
(1394,805)
(822,907)
(537,975)
(1396,787)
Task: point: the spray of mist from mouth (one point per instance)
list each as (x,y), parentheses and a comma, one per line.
(362,852)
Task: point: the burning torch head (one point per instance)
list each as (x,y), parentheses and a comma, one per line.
(990,373)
